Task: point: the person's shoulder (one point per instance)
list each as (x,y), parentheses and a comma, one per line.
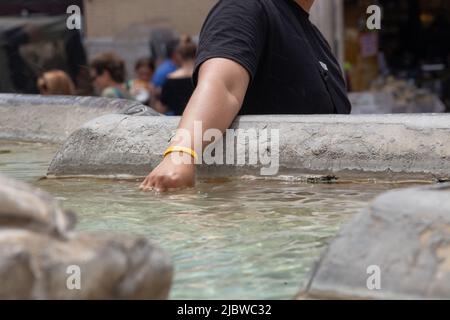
(237,13)
(247,2)
(173,75)
(178,74)
(249,6)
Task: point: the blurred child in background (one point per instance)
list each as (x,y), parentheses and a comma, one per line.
(140,88)
(56,82)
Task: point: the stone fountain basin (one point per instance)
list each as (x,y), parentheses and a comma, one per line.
(402,237)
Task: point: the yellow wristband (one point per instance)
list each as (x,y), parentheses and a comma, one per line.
(189,151)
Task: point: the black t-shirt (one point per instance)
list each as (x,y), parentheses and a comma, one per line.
(176,93)
(292,67)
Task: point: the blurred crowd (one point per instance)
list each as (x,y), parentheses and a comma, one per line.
(166,86)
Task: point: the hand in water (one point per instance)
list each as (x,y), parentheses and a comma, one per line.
(168,175)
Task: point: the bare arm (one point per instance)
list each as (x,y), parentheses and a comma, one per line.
(220,92)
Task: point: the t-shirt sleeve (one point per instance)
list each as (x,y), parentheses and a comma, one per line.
(236,30)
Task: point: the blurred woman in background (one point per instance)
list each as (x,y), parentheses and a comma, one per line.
(56,82)
(178,88)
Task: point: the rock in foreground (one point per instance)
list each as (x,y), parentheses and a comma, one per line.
(42,258)
(397,248)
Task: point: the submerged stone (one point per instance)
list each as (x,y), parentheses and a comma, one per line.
(27,208)
(42,258)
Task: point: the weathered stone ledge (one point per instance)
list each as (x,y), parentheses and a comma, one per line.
(52,119)
(347,146)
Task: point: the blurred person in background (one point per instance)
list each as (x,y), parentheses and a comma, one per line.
(55,82)
(178,88)
(108,76)
(169,65)
(140,88)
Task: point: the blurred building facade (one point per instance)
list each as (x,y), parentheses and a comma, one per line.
(412,45)
(108,18)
